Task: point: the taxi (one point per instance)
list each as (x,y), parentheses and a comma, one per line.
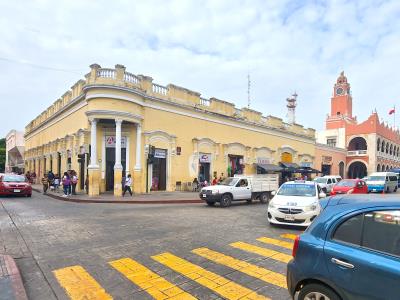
(295,203)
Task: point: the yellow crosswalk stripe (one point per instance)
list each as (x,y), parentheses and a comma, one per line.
(242,266)
(289,236)
(275,242)
(218,284)
(79,284)
(262,251)
(152,283)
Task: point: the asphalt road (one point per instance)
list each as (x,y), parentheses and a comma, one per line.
(62,247)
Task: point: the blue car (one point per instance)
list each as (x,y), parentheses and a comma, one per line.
(350,251)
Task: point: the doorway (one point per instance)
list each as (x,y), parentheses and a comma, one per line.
(159,170)
(110,162)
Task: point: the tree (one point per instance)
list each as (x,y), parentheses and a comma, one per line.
(2,155)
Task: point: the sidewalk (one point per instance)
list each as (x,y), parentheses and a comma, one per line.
(11,285)
(151,198)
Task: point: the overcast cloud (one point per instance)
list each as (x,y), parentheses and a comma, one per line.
(206,46)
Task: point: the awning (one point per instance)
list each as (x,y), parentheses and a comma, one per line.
(307,170)
(291,167)
(269,167)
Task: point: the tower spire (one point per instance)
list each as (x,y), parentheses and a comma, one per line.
(291,105)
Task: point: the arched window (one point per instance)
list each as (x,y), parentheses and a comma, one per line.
(378,168)
(387,148)
(391,149)
(394,150)
(398,152)
(378,145)
(387,168)
(383,146)
(383,168)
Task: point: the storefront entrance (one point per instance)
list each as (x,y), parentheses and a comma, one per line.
(204,167)
(326,169)
(159,170)
(235,165)
(110,162)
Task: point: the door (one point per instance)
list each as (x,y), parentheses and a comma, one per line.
(363,255)
(110,162)
(242,190)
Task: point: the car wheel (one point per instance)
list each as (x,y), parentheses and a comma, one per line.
(226,200)
(29,195)
(264,198)
(387,190)
(249,200)
(395,189)
(315,291)
(210,203)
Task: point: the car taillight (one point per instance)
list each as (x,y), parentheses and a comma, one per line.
(295,245)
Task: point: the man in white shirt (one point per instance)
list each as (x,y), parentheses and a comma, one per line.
(128,184)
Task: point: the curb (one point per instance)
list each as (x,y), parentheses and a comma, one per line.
(12,278)
(77,200)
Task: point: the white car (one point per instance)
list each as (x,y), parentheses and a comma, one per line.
(295,203)
(327,182)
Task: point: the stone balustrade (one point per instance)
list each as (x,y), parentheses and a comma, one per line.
(173,93)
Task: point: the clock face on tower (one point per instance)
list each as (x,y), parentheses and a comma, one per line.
(339,91)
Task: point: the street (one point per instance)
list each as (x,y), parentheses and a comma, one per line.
(112,251)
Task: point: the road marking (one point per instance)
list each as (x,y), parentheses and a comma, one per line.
(79,284)
(289,236)
(152,283)
(262,251)
(218,284)
(242,266)
(275,242)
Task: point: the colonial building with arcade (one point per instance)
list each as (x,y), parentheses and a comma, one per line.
(370,146)
(106,124)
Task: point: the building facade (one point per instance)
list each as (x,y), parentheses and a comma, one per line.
(106,125)
(14,152)
(370,146)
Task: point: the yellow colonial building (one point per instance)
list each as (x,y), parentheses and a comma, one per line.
(105,126)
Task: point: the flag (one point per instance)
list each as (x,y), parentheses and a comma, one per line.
(392,111)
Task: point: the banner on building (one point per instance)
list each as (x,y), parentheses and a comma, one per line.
(264,160)
(110,141)
(160,153)
(205,158)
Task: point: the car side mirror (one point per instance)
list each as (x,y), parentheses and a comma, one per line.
(322,195)
(273,193)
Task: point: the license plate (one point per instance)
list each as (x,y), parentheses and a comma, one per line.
(17,191)
(204,195)
(289,218)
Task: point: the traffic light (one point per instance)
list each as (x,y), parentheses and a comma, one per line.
(81,158)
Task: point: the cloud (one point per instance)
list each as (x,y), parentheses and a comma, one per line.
(208,46)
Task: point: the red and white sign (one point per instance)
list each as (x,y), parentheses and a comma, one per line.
(110,141)
(205,158)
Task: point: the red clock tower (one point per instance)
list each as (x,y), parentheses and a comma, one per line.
(341,105)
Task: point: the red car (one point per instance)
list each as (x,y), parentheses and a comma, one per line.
(11,184)
(350,186)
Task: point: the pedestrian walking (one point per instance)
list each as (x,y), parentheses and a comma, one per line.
(45,183)
(56,183)
(66,181)
(127,186)
(215,181)
(74,181)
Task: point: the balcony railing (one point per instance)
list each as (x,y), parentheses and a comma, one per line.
(159,89)
(357,153)
(129,77)
(205,102)
(106,73)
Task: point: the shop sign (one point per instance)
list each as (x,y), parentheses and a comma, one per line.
(160,153)
(110,141)
(326,160)
(205,158)
(264,160)
(306,164)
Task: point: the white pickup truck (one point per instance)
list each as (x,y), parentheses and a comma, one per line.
(241,187)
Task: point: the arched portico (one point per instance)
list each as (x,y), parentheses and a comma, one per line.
(357,169)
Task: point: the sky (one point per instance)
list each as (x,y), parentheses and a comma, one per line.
(206,46)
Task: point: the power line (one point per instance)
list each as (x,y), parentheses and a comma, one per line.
(23,62)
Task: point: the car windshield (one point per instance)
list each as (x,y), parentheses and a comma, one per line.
(377,178)
(293,189)
(320,180)
(347,183)
(13,178)
(231,181)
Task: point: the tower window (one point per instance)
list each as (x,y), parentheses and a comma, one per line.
(338,113)
(331,142)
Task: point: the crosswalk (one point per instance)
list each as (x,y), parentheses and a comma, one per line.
(79,284)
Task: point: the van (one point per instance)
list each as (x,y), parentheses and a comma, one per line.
(382,182)
(327,182)
(397,171)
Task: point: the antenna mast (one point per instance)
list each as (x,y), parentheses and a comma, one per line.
(248,90)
